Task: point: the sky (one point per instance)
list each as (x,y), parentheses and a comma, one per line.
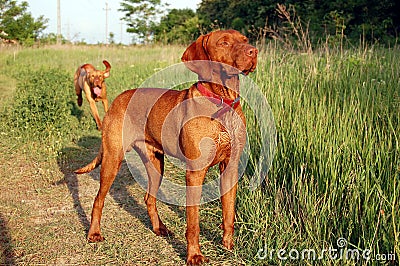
(86,19)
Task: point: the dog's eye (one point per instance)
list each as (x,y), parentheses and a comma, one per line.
(224,44)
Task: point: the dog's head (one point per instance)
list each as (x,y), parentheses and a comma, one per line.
(96,77)
(228,47)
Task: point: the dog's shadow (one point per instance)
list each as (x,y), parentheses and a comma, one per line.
(6,243)
(67,163)
(76,111)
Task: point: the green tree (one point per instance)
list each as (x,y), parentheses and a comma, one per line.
(178,26)
(212,13)
(18,24)
(111,38)
(374,19)
(141,16)
(242,15)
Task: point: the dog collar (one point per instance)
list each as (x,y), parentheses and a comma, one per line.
(218,100)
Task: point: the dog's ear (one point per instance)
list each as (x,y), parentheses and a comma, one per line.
(197,59)
(84,72)
(106,72)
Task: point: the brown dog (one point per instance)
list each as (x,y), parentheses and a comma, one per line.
(91,81)
(203,126)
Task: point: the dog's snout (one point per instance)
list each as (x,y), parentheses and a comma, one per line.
(97,81)
(251,51)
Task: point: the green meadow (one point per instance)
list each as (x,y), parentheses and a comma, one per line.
(331,196)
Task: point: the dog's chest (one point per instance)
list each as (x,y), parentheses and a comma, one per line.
(231,135)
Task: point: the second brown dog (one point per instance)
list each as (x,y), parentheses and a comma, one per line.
(91,81)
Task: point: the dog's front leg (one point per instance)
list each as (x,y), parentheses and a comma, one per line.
(105,104)
(93,108)
(194,182)
(104,97)
(228,189)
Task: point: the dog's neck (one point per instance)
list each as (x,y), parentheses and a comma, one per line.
(226,87)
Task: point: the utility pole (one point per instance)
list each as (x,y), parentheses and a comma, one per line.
(68,32)
(58,23)
(121,31)
(107,9)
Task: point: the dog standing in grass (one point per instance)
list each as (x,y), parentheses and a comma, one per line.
(91,81)
(209,110)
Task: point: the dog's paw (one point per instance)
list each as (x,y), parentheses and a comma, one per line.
(228,242)
(196,259)
(93,238)
(163,231)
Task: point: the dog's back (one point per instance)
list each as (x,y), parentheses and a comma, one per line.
(80,74)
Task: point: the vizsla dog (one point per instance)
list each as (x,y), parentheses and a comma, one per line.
(91,81)
(203,126)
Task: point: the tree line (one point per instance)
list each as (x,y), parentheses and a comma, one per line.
(371,20)
(151,21)
(374,19)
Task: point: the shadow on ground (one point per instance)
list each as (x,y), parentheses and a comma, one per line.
(7,255)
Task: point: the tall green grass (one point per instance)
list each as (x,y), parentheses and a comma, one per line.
(337,165)
(336,171)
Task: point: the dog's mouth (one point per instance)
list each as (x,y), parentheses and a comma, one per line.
(245,65)
(247,71)
(239,68)
(97,91)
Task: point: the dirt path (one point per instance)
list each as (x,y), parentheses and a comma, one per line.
(45,214)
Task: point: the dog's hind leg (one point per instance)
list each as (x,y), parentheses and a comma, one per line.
(109,168)
(154,164)
(228,189)
(78,89)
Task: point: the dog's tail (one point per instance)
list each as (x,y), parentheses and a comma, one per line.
(92,165)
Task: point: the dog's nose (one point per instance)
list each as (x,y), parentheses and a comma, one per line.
(251,51)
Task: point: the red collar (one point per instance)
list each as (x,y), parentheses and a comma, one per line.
(218,100)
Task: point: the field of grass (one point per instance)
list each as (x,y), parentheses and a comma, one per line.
(335,176)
